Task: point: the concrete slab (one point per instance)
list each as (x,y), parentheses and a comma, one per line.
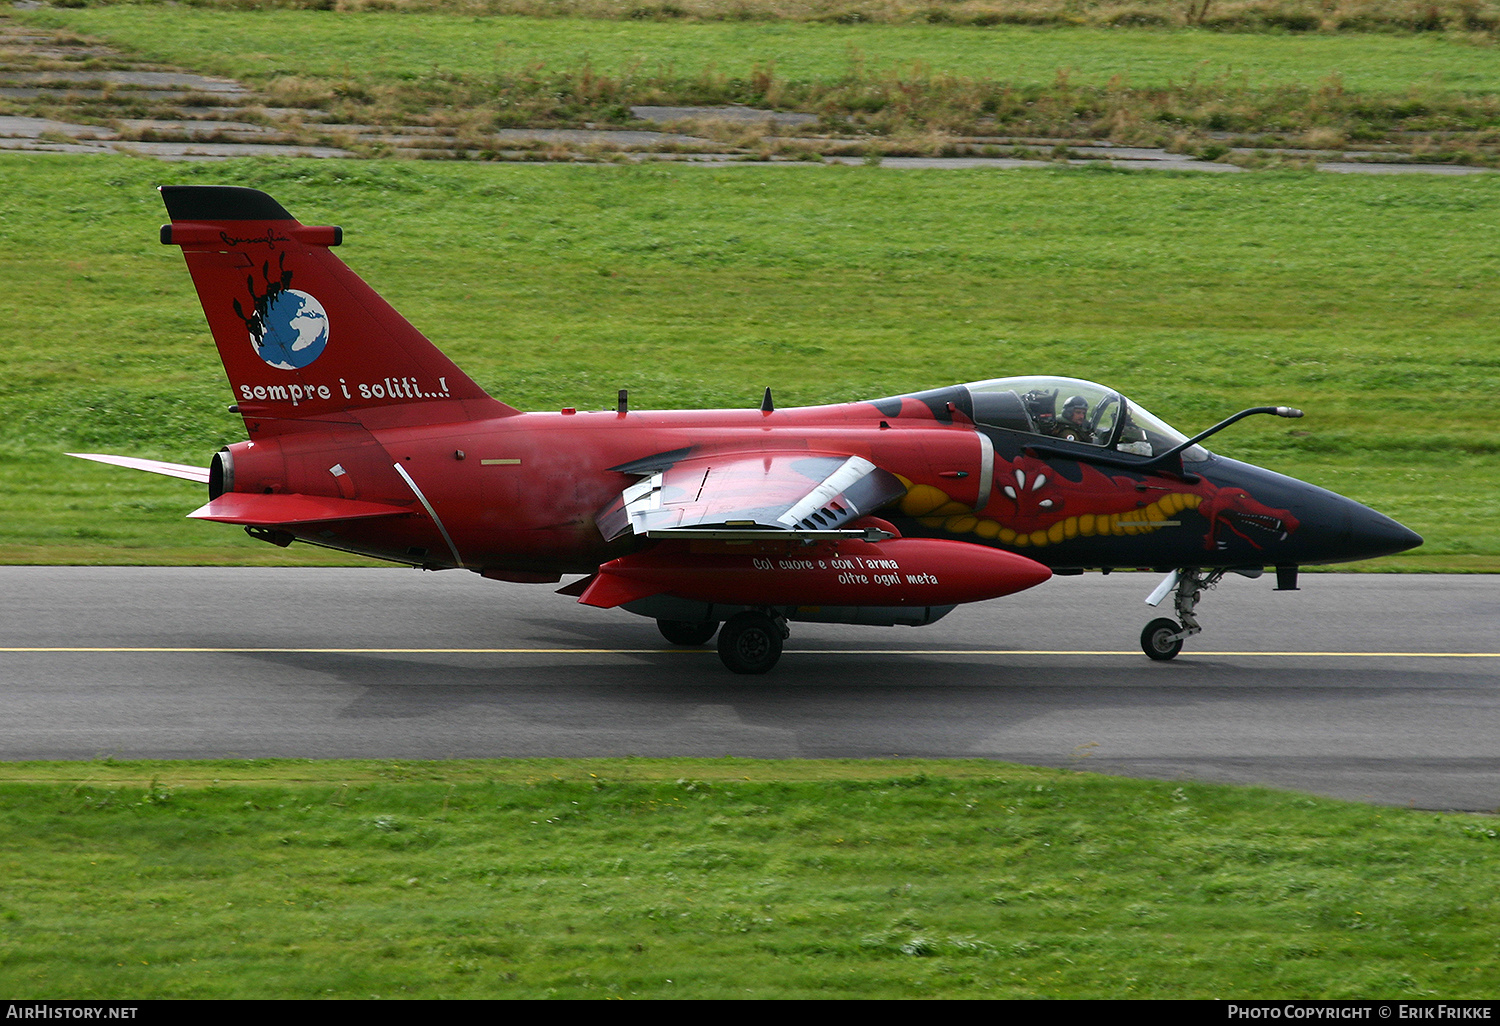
(1360,168)
(15,127)
(37,146)
(199,129)
(915,163)
(146,79)
(736,115)
(223,151)
(605,137)
(70,93)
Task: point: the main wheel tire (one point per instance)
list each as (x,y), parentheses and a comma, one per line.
(685,632)
(1157,640)
(750,643)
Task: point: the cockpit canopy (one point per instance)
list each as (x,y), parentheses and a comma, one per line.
(1073,410)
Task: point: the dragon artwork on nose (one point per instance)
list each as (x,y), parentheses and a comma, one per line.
(1235,508)
(1034,506)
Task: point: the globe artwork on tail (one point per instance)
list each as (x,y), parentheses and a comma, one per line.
(294,330)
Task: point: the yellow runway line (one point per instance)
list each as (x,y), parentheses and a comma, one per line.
(128,650)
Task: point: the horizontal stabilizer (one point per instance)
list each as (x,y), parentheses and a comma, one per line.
(254,509)
(182,470)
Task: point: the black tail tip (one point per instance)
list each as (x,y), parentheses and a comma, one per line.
(220,203)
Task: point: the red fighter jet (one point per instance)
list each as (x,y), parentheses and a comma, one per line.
(363,437)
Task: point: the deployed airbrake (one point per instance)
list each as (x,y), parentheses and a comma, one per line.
(363,437)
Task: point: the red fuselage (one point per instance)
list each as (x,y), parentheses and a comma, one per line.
(522,492)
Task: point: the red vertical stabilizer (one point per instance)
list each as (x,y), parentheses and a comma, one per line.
(301,336)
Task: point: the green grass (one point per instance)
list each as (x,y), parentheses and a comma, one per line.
(724,878)
(1472,17)
(1366,301)
(378,46)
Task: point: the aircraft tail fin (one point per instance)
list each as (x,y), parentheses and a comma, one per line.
(302,337)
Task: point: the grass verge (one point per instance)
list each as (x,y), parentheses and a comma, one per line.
(724,878)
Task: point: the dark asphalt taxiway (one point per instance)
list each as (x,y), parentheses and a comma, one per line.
(1382,688)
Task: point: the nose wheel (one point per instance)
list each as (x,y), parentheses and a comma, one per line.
(1162,639)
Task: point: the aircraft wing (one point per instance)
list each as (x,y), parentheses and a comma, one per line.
(182,470)
(739,495)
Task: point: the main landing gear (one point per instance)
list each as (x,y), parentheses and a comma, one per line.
(749,643)
(1162,639)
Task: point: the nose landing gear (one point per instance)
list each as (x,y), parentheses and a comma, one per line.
(1162,639)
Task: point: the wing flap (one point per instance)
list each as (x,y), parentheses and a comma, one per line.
(257,510)
(777,492)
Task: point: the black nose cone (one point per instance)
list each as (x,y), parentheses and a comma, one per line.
(1374,534)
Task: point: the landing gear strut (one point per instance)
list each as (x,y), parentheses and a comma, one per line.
(1162,639)
(751,641)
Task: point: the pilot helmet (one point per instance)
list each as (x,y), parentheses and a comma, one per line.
(1075,402)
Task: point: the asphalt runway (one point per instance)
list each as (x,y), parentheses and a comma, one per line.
(1380,688)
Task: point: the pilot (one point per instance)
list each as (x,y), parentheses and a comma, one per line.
(1073,423)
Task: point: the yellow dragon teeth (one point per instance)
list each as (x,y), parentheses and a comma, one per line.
(933,507)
